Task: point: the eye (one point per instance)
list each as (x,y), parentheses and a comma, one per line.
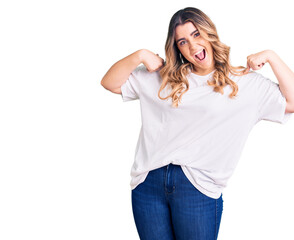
(182,43)
(196,34)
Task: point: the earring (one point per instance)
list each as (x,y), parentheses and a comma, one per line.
(181,57)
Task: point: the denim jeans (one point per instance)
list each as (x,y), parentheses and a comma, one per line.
(167,206)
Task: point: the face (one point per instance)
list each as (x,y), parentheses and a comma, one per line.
(190,44)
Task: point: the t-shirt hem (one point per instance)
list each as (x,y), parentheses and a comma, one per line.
(198,187)
(142,179)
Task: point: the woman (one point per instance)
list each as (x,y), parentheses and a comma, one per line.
(191,138)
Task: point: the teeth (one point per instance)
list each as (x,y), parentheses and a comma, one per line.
(199,52)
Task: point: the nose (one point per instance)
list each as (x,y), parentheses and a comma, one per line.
(193,45)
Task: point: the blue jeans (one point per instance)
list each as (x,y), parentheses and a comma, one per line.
(167,206)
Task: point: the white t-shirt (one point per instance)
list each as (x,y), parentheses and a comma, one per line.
(206,133)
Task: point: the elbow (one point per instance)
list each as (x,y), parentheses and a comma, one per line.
(102,83)
(110,85)
(107,87)
(289,107)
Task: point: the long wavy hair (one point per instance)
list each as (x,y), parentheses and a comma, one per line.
(176,66)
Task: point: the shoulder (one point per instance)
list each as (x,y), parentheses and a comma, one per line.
(260,80)
(142,72)
(252,75)
(257,82)
(250,78)
(249,75)
(140,69)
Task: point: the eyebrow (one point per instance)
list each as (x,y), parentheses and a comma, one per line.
(185,38)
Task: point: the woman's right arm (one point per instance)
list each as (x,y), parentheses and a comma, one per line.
(119,72)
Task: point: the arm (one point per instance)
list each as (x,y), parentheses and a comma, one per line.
(282,72)
(285,77)
(119,72)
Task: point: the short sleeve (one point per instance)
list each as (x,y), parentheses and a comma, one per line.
(271,101)
(130,90)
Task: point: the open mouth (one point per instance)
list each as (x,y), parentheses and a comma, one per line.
(201,56)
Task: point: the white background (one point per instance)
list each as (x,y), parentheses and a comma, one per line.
(67,144)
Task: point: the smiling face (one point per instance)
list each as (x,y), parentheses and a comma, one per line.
(191,45)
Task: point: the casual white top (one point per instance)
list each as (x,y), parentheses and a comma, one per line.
(207,132)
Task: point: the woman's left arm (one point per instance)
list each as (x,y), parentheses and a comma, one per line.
(282,72)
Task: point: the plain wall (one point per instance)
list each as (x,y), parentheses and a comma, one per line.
(67,144)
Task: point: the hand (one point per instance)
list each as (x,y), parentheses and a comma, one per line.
(256,61)
(151,61)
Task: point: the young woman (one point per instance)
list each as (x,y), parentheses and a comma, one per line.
(197,111)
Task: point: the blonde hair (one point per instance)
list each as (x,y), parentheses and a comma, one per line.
(176,67)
